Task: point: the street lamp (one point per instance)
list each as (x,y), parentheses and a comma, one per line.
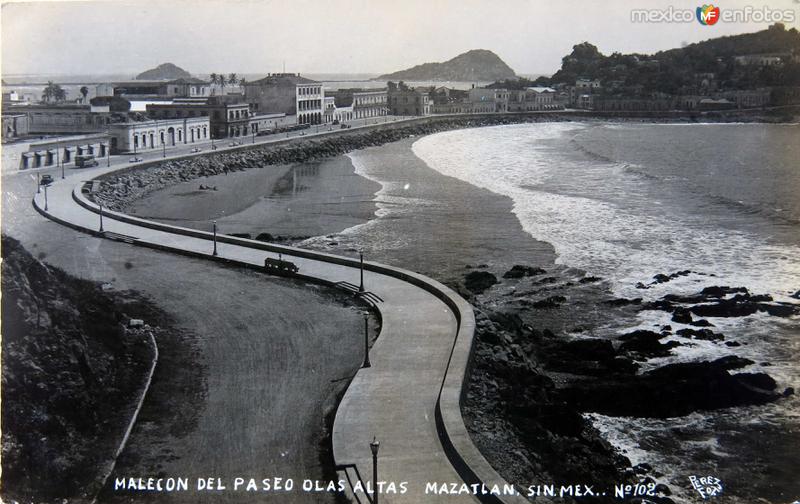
(108,153)
(58,160)
(366,340)
(101,217)
(38,184)
(373,446)
(361,286)
(45,198)
(215,238)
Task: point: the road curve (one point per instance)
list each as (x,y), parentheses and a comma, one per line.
(409,399)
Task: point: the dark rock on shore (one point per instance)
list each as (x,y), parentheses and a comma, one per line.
(479,281)
(712,302)
(646,344)
(680,389)
(700,334)
(623,301)
(549,302)
(519,271)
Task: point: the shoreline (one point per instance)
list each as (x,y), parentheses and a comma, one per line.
(555,303)
(124,186)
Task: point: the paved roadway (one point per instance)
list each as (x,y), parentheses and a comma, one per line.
(393,400)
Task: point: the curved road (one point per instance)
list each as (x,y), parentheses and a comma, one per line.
(395,400)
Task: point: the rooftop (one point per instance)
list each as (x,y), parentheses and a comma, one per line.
(282,78)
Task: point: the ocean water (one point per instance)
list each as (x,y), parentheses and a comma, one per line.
(629,201)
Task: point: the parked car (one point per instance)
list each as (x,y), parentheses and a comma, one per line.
(134,160)
(46,179)
(197,149)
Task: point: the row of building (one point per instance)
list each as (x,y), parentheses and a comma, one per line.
(186,111)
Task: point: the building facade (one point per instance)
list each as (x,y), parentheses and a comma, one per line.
(408,101)
(158,134)
(532,99)
(485,100)
(14,126)
(64,118)
(370,104)
(185,87)
(289,94)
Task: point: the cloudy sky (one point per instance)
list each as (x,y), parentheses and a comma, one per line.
(332,36)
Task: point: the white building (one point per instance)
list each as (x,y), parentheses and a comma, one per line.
(158,134)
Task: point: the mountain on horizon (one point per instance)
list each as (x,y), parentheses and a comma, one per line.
(164,71)
(474,65)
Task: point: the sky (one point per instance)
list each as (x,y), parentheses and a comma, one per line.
(333,36)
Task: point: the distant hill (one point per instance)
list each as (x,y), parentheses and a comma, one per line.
(475,65)
(164,71)
(681,70)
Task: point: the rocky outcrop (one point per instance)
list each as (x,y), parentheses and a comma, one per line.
(73,367)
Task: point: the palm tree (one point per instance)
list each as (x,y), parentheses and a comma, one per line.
(221,80)
(214,78)
(232,80)
(84,92)
(47,94)
(243,84)
(60,94)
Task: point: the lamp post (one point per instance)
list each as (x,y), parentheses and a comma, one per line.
(101,217)
(45,198)
(254,137)
(108,153)
(215,238)
(366,340)
(163,148)
(361,286)
(58,160)
(38,184)
(373,446)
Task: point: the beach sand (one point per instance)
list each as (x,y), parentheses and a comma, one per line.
(285,201)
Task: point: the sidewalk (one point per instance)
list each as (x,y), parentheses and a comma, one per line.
(395,400)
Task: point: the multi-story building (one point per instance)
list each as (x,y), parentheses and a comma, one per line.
(157,133)
(532,99)
(227,116)
(407,101)
(329,108)
(289,94)
(370,104)
(488,100)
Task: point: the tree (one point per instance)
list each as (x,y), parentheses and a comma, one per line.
(214,78)
(221,81)
(242,84)
(47,94)
(54,92)
(84,92)
(232,79)
(60,94)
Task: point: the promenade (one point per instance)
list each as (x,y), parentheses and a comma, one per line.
(396,399)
